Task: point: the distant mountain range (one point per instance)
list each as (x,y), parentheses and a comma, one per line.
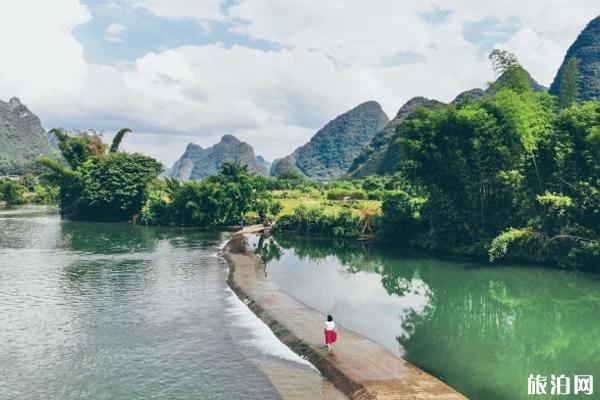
(330,152)
(356,144)
(22,138)
(198,163)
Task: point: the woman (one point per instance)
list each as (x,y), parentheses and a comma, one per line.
(330,332)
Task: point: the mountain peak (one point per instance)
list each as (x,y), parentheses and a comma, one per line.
(229,139)
(331,150)
(22,138)
(198,163)
(14,102)
(379,156)
(586,48)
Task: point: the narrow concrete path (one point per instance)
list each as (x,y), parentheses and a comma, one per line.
(358,367)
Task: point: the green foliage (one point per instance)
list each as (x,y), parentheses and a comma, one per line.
(29,181)
(113,186)
(511,159)
(116,142)
(77,149)
(315,221)
(503,61)
(374,183)
(402,215)
(225,198)
(46,194)
(11,192)
(569,88)
(523,239)
(341,194)
(99,185)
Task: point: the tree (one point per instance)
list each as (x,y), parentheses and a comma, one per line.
(225,198)
(568,93)
(503,61)
(116,142)
(99,184)
(11,192)
(511,74)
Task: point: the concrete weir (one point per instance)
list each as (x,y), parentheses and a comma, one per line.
(358,367)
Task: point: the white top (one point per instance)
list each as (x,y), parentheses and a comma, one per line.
(329,325)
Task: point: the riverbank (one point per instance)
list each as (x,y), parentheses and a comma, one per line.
(358,367)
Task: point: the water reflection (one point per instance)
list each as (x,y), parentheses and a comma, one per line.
(481,329)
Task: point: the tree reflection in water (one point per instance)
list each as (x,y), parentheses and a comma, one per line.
(482,329)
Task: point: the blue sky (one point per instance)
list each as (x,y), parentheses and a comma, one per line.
(144,32)
(270,72)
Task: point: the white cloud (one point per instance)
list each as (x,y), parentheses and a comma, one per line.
(194,9)
(113,32)
(330,56)
(40,57)
(115,29)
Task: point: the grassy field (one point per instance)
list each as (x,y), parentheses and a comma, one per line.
(330,206)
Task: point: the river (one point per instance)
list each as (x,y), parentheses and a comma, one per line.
(482,329)
(115,311)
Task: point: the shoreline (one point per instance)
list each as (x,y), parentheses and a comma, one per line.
(358,367)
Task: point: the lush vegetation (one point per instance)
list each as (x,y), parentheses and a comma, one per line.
(99,183)
(27,189)
(229,197)
(511,173)
(11,192)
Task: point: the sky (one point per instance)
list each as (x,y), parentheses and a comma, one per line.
(270,72)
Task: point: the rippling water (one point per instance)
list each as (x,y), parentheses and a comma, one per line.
(114,311)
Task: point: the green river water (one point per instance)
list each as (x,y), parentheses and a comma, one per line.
(481,329)
(114,311)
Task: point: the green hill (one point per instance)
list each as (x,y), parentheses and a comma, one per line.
(22,139)
(586,49)
(330,152)
(381,156)
(198,163)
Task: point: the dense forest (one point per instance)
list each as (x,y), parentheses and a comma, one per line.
(516,172)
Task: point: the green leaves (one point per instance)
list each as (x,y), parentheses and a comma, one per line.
(97,185)
(510,159)
(225,198)
(116,142)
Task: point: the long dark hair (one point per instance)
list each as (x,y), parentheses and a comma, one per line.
(329,318)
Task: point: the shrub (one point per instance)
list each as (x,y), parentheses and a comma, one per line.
(315,221)
(402,215)
(11,192)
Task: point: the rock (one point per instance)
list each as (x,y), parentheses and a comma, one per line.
(22,139)
(198,163)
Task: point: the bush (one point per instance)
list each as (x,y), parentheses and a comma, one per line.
(11,192)
(402,215)
(340,194)
(315,221)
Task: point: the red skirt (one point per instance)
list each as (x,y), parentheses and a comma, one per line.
(330,337)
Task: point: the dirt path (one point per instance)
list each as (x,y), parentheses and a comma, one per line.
(358,367)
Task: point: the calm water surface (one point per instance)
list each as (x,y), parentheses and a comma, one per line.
(481,329)
(111,311)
